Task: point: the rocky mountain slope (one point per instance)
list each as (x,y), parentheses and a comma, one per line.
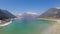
(51,13)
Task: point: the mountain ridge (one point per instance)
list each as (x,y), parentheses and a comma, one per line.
(51,13)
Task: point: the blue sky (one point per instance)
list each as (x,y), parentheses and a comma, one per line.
(20,6)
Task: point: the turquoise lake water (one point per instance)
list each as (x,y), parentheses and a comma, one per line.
(24,27)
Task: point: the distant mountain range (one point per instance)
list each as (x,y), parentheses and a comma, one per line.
(27,13)
(27,16)
(51,13)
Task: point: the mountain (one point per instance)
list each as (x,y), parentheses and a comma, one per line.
(27,16)
(6,14)
(51,13)
(28,13)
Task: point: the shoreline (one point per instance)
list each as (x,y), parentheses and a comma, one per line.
(6,24)
(55,27)
(52,19)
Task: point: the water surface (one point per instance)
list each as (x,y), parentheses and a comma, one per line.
(24,27)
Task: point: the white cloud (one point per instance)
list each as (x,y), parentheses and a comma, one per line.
(57,7)
(32,13)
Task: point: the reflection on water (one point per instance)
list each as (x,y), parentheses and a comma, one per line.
(36,27)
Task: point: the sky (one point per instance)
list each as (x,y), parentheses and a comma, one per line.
(20,6)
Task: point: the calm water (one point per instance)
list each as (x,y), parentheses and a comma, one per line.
(23,27)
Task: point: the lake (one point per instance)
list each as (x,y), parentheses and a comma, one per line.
(24,27)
